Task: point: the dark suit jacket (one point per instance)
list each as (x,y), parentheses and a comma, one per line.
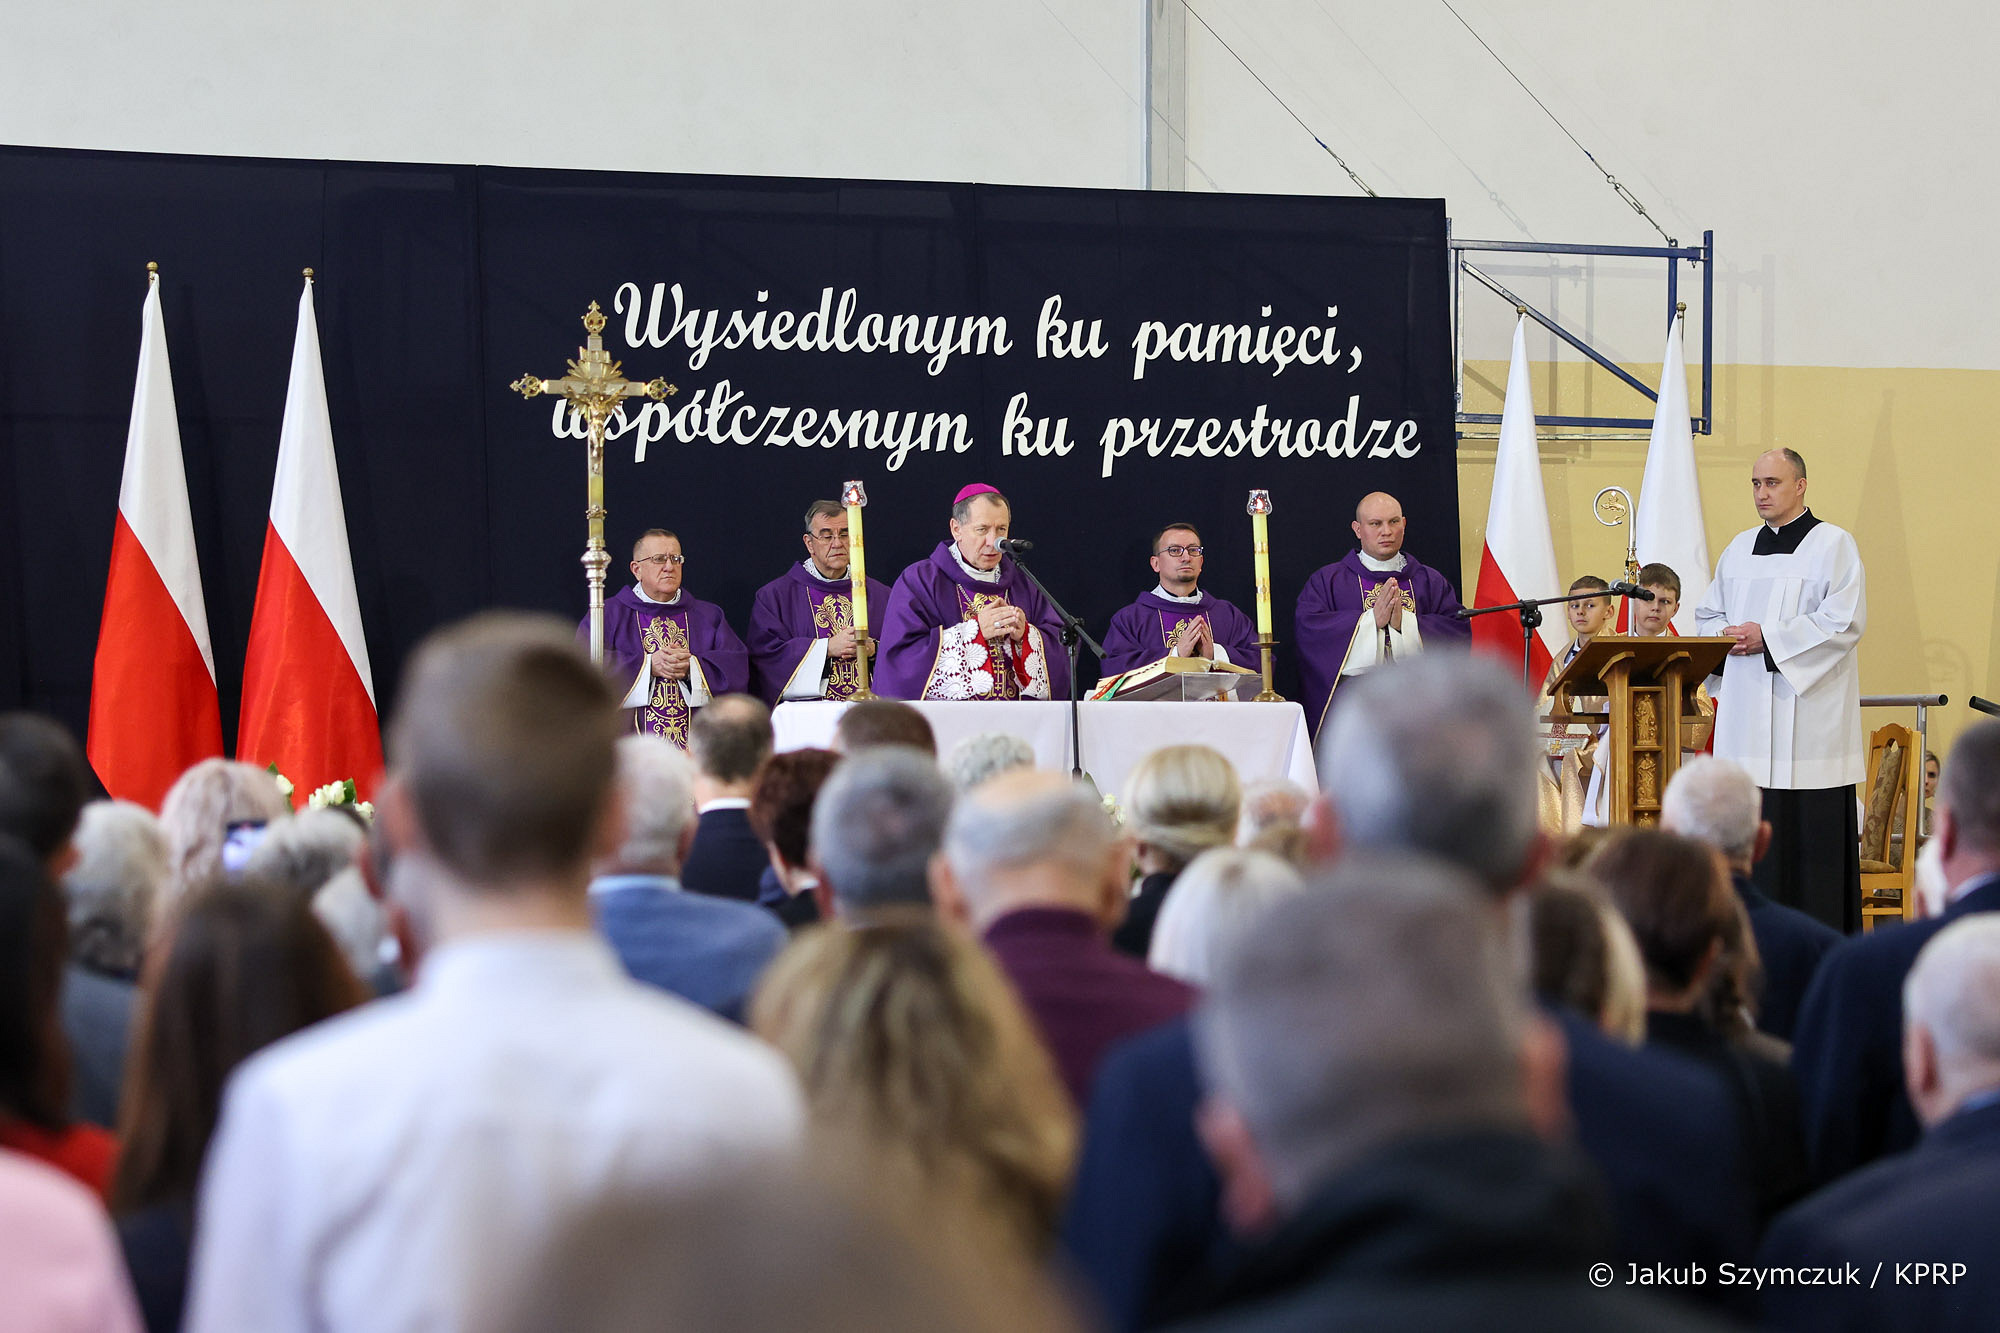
(707,950)
(156,1242)
(1848,1049)
(1934,1203)
(1791,945)
(726,860)
(97,1020)
(1134,935)
(1767,1106)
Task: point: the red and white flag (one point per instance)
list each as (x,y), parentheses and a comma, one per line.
(1668,526)
(153,709)
(308,695)
(1519,559)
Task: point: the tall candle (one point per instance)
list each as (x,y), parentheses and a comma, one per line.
(855,496)
(1260,510)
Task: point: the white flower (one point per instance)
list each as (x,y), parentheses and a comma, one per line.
(284,785)
(366,809)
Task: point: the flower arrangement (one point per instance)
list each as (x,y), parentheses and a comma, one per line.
(330,796)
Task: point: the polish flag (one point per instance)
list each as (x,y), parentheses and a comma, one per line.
(308,695)
(153,709)
(1519,559)
(1668,525)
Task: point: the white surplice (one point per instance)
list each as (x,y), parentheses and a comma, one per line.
(1799,727)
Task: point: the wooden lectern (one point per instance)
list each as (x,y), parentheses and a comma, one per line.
(1643,688)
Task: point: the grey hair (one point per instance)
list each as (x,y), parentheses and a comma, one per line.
(1211,901)
(963,508)
(1969,785)
(1063,824)
(307,850)
(1382,1003)
(121,861)
(986,754)
(1436,755)
(358,923)
(1269,803)
(197,813)
(1715,801)
(1797,460)
(1953,992)
(658,784)
(876,824)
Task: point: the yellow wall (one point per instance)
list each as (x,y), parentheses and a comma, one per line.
(1901,458)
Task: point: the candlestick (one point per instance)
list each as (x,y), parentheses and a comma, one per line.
(1259,509)
(855,496)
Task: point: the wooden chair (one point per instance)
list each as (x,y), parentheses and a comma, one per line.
(1888,863)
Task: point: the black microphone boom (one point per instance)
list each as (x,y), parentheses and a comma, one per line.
(1015,546)
(1622,589)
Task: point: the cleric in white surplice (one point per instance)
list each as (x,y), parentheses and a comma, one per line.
(1793,595)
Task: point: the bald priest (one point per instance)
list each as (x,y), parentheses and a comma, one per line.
(965,623)
(1374,605)
(669,651)
(802,638)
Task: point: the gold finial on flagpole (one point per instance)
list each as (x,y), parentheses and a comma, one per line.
(152,271)
(1680,307)
(1521,310)
(309,275)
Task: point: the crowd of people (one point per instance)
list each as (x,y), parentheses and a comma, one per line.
(587,1031)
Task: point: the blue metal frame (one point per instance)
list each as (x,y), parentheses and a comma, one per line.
(1703,254)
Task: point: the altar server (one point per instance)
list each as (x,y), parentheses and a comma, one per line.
(667,650)
(1374,605)
(1792,593)
(802,637)
(1178,619)
(965,623)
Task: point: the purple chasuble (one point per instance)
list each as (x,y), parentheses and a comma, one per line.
(789,614)
(931,647)
(634,630)
(1332,605)
(1139,633)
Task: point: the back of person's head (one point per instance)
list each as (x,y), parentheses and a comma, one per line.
(1030,838)
(1717,802)
(1271,803)
(781,804)
(1969,788)
(921,1068)
(986,754)
(505,742)
(243,965)
(197,815)
(304,852)
(44,783)
(1181,801)
(1216,894)
(1581,954)
(1671,891)
(657,782)
(877,823)
(121,861)
(730,737)
(1378,1005)
(874,722)
(1951,1005)
(1436,755)
(34,1057)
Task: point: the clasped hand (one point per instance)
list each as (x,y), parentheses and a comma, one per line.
(1002,623)
(1749,638)
(670,662)
(1389,605)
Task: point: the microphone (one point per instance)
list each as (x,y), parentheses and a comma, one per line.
(1015,546)
(1623,589)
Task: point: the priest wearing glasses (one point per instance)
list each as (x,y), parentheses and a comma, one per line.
(1177,618)
(802,638)
(668,651)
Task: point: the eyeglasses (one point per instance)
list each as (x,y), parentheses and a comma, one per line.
(657,560)
(828,537)
(1177,552)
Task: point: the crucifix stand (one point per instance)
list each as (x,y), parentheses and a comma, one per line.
(596,390)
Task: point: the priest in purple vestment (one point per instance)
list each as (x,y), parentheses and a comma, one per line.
(802,636)
(668,651)
(1371,607)
(1177,619)
(965,623)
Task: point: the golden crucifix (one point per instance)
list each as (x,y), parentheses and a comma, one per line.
(596,391)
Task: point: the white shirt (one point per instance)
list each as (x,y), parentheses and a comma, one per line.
(392,1168)
(1799,727)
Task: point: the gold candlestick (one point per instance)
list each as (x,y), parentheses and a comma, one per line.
(595,390)
(855,496)
(1259,509)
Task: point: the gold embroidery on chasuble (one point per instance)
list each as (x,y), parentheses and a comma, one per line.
(835,614)
(666,711)
(970,604)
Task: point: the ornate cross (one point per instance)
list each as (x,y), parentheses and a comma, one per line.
(596,391)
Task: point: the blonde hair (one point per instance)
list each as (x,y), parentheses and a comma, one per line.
(197,813)
(924,1072)
(1183,800)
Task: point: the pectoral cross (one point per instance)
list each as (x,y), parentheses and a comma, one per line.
(596,391)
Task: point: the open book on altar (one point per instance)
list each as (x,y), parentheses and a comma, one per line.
(1182,678)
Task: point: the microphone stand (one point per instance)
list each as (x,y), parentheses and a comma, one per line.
(1531,620)
(1073,636)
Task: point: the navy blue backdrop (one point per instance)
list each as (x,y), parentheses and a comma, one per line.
(437,285)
